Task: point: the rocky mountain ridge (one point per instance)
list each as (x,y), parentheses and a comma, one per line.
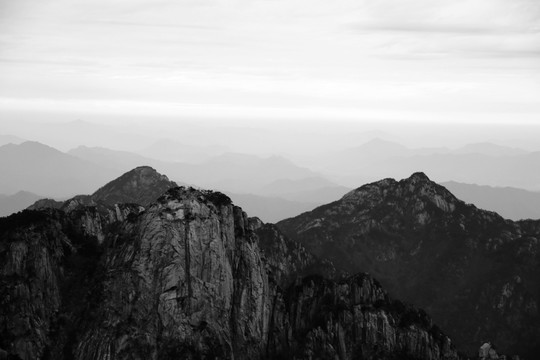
(473,271)
(188,276)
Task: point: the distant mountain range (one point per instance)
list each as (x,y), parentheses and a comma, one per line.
(10,139)
(482,163)
(41,169)
(510,203)
(174,151)
(16,202)
(227,172)
(279,189)
(275,188)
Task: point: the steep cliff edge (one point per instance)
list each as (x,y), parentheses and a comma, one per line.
(473,271)
(185,278)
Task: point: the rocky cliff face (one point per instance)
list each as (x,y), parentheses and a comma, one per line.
(475,272)
(185,277)
(352,319)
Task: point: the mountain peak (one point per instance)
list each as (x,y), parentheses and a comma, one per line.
(416,188)
(419,176)
(141,185)
(431,249)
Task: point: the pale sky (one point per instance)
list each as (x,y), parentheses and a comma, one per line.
(422,60)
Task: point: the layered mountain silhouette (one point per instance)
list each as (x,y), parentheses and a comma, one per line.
(170,150)
(16,202)
(277,186)
(473,271)
(510,203)
(270,188)
(41,169)
(234,172)
(126,273)
(480,163)
(10,139)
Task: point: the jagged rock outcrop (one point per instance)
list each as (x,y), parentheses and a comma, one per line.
(473,271)
(354,319)
(185,278)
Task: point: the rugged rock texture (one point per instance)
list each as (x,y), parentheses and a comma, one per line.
(175,281)
(474,272)
(352,319)
(185,278)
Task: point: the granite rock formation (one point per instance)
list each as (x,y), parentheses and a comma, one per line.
(473,271)
(187,276)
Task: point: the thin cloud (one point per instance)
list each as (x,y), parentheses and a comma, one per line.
(438,29)
(153,25)
(272,53)
(78,63)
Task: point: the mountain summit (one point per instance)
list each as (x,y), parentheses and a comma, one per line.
(141,185)
(473,271)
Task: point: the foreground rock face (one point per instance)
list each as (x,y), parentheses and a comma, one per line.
(186,278)
(474,272)
(174,279)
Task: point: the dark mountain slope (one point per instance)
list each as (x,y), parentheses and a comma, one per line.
(185,277)
(474,272)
